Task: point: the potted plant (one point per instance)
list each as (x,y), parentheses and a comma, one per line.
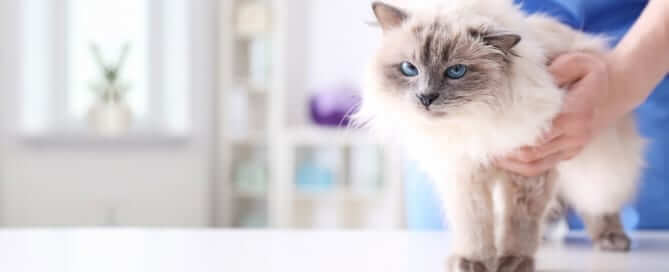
(110,115)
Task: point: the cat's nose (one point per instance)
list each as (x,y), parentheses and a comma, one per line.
(427,99)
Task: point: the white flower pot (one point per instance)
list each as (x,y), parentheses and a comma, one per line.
(110,118)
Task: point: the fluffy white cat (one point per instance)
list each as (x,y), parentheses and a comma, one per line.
(464,82)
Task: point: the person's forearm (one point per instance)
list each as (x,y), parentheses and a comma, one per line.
(641,59)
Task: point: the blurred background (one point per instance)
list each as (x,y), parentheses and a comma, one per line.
(195,113)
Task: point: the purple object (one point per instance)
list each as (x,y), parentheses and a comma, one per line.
(333,107)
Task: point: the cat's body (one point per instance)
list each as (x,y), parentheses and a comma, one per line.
(457,86)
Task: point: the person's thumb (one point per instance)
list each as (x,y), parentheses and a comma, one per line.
(569,68)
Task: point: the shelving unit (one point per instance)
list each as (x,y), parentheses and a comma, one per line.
(281,149)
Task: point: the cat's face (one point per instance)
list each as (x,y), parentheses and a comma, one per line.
(440,67)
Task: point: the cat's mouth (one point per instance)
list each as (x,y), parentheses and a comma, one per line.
(432,112)
(436,114)
(433,109)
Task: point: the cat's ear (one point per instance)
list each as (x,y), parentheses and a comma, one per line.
(505,41)
(389,17)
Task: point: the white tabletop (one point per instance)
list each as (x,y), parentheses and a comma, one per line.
(126,250)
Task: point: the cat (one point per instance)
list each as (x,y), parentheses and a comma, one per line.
(465,82)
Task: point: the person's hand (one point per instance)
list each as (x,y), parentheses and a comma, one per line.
(586,78)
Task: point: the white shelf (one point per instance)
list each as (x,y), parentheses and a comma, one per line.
(244,38)
(340,194)
(250,195)
(93,139)
(251,138)
(253,91)
(283,142)
(323,136)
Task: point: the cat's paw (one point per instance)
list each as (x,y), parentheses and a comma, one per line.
(515,264)
(613,241)
(460,264)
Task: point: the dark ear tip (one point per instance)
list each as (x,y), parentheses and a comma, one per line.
(388,16)
(503,40)
(518,38)
(377,4)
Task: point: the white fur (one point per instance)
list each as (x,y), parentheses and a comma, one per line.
(599,180)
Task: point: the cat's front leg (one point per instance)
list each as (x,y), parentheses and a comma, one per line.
(525,201)
(470,215)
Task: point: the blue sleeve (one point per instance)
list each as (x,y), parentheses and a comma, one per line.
(568,12)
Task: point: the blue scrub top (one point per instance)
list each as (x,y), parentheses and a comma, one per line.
(612,18)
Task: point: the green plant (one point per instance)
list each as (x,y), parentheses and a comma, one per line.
(111,90)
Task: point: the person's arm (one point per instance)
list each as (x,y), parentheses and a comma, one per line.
(640,61)
(602,90)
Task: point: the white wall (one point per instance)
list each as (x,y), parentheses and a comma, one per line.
(340,41)
(329,45)
(157,185)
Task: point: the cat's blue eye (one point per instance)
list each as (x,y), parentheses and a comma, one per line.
(408,69)
(456,71)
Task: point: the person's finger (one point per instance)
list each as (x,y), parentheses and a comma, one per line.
(545,139)
(550,136)
(581,94)
(531,169)
(561,144)
(572,123)
(521,168)
(546,150)
(571,153)
(523,154)
(569,68)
